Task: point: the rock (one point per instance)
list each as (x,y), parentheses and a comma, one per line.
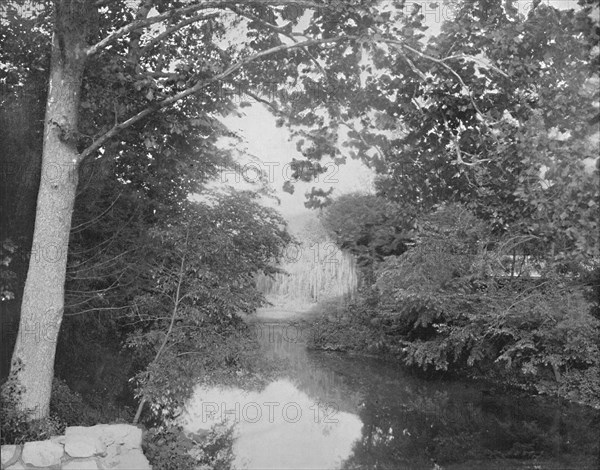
(78,443)
(134,459)
(117,446)
(58,439)
(89,464)
(42,453)
(125,435)
(9,453)
(16,466)
(130,437)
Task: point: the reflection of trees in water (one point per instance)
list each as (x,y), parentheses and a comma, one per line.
(446,428)
(284,344)
(411,423)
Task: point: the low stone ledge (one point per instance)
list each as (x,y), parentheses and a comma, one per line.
(85,464)
(80,443)
(42,453)
(104,446)
(10,454)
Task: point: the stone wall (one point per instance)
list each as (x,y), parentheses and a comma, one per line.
(104,446)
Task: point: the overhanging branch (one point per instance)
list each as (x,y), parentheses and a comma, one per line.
(188,10)
(194,19)
(116,129)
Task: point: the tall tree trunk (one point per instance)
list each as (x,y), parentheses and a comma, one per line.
(43,295)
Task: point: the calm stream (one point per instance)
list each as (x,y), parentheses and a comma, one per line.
(330,410)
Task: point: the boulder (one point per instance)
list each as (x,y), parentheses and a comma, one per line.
(17,466)
(78,443)
(125,435)
(58,439)
(42,453)
(89,464)
(9,453)
(133,459)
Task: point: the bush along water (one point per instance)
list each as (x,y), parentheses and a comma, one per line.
(448,306)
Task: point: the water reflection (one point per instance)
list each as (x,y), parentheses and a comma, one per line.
(279,427)
(330,411)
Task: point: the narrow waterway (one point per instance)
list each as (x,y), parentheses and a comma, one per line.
(335,411)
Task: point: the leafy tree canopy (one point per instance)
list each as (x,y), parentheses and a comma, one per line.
(511,132)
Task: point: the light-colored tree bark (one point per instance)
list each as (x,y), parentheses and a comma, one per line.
(43,296)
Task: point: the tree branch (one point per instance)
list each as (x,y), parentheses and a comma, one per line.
(83,225)
(173,29)
(258,99)
(482,63)
(250,16)
(96,309)
(280,30)
(402,46)
(144,23)
(176,302)
(78,270)
(134,42)
(116,129)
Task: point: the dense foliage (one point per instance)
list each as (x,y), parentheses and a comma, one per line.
(455,303)
(512,133)
(16,427)
(198,282)
(368,226)
(67,408)
(494,168)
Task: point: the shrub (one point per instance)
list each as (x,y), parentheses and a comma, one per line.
(445,305)
(168,448)
(455,313)
(16,428)
(70,407)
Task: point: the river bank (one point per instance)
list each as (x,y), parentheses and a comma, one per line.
(355,332)
(330,410)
